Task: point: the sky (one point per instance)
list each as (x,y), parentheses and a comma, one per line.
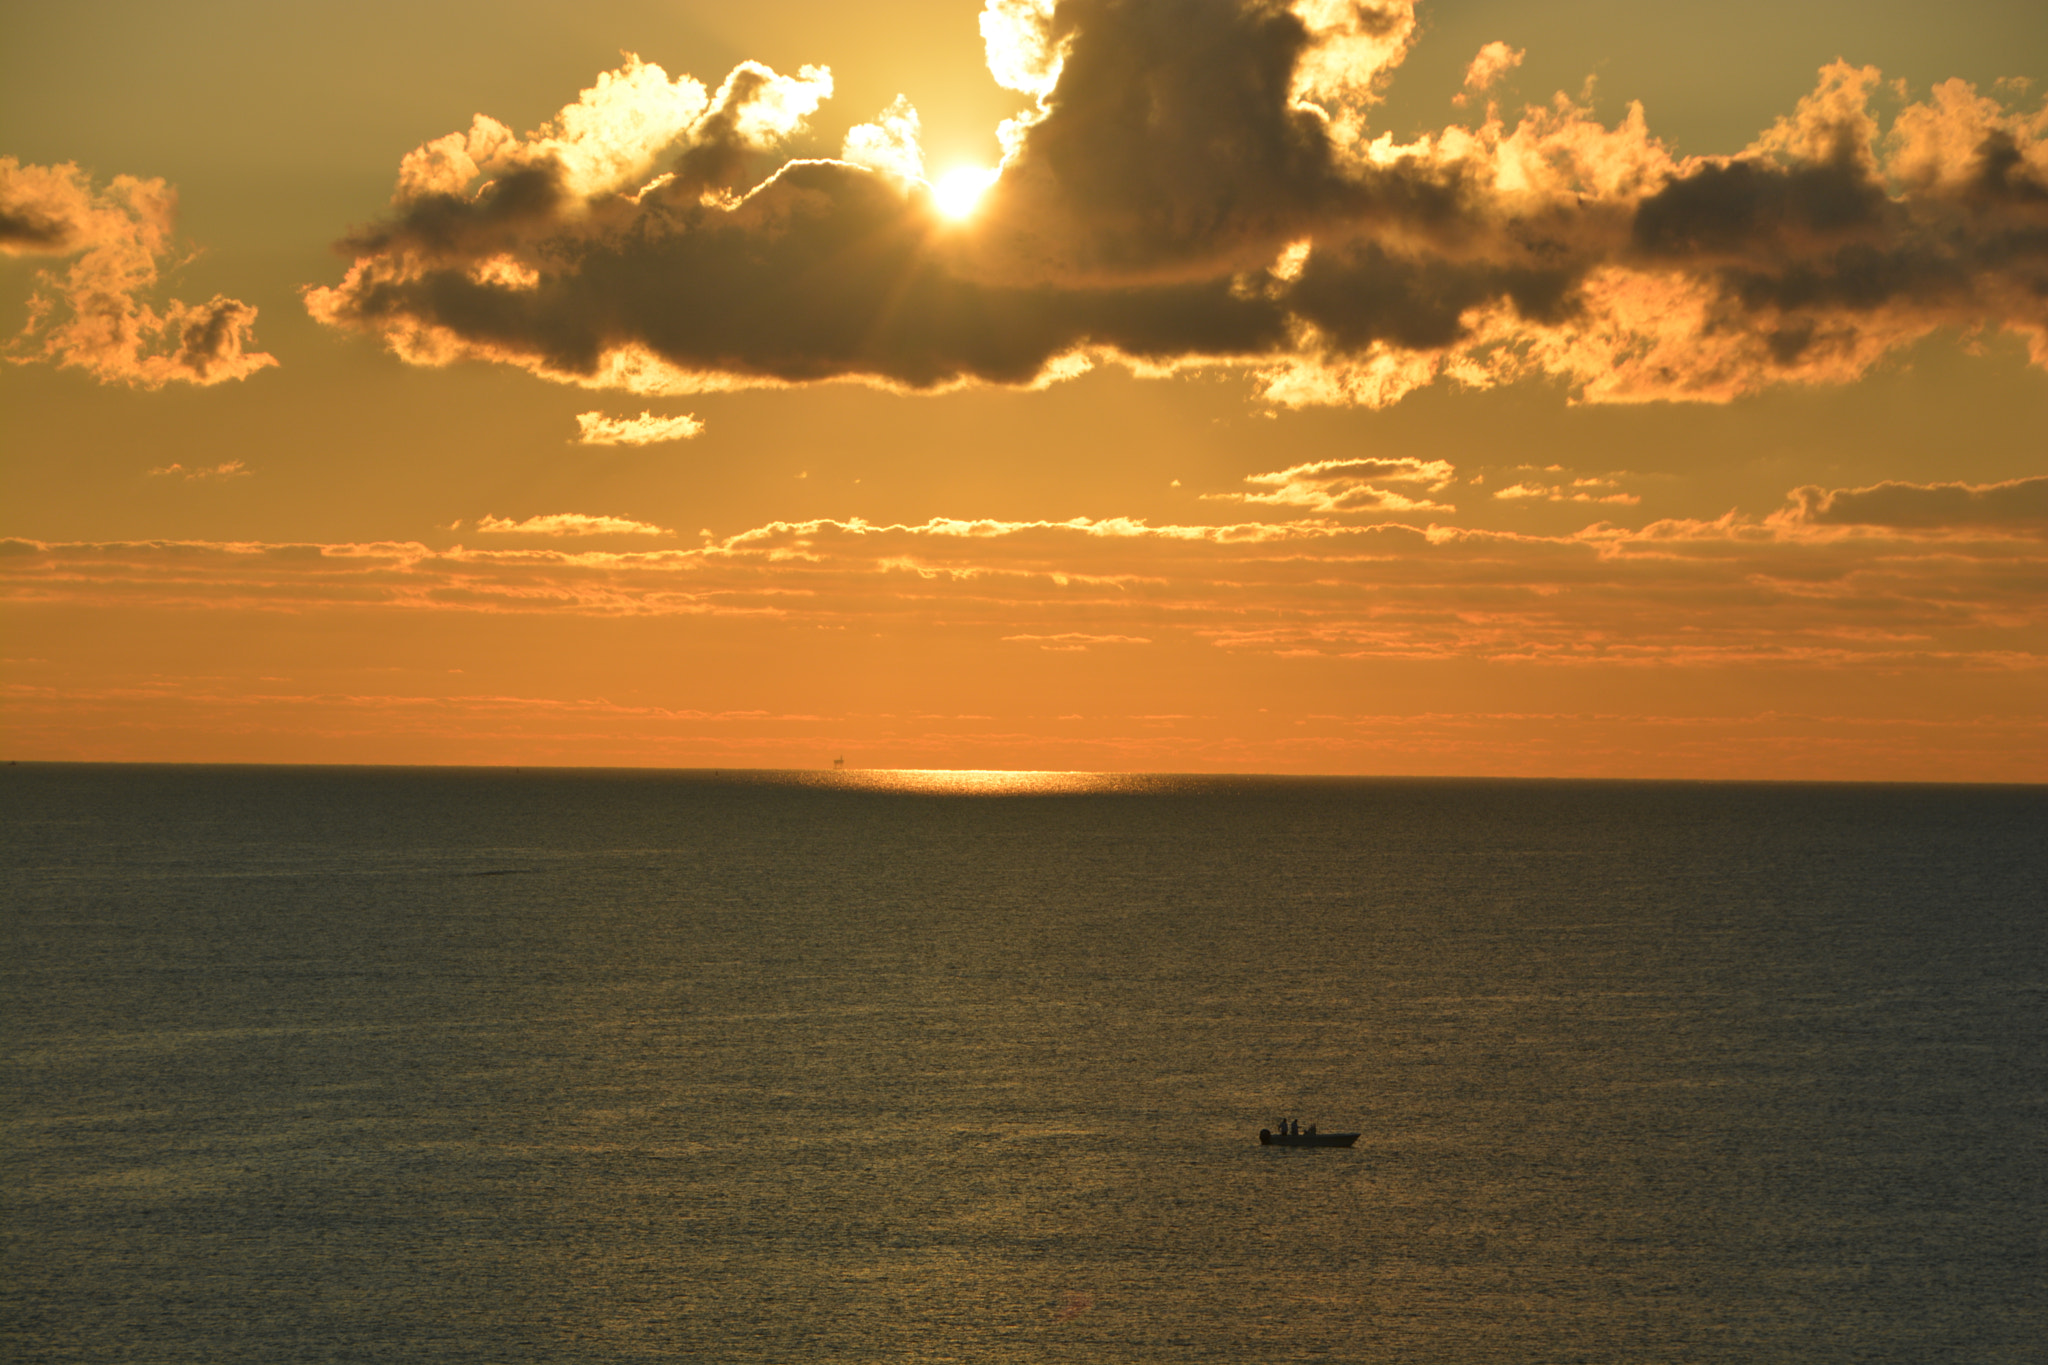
(1576,389)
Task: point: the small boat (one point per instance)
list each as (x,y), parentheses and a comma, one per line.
(1271,1139)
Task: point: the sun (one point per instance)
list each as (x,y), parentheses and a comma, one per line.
(958,191)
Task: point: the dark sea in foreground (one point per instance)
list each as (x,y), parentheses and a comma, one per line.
(495,1066)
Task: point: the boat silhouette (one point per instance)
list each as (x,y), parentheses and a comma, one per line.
(1308,1139)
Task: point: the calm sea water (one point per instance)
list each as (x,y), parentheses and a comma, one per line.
(435,1065)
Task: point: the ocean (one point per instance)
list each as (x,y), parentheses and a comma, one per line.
(354,1064)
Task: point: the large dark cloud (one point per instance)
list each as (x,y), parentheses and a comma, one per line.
(1171,142)
(1197,185)
(820,274)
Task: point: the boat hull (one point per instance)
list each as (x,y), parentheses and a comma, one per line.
(1267,1139)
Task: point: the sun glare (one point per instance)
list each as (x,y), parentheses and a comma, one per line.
(984,781)
(958,191)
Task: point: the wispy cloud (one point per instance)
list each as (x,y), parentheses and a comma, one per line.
(1603,490)
(570,524)
(597,429)
(1075,640)
(1345,486)
(2017,504)
(95,315)
(227,469)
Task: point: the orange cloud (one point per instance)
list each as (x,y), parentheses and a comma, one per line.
(1075,640)
(570,524)
(1343,486)
(228,469)
(1198,186)
(94,315)
(1787,590)
(2017,505)
(1578,490)
(1493,61)
(596,429)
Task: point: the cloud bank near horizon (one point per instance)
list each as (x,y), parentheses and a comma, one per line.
(1925,576)
(96,314)
(1199,185)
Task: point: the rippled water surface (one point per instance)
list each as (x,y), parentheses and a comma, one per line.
(311,1065)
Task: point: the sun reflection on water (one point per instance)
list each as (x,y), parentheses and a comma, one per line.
(989,781)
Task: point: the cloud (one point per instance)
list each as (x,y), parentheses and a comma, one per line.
(605,143)
(1344,486)
(1773,592)
(230,469)
(1197,185)
(94,315)
(2015,505)
(889,144)
(596,429)
(1578,490)
(1494,60)
(1074,641)
(570,524)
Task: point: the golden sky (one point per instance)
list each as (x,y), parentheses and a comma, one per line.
(1570,389)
